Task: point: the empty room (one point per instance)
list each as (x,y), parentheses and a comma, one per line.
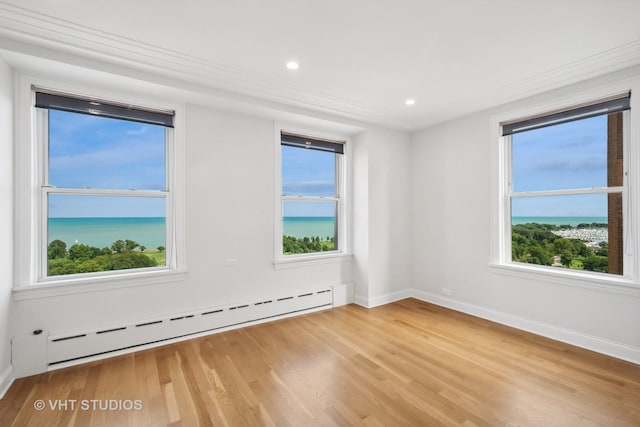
(320,213)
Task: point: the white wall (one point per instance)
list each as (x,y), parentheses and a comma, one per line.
(382,218)
(229,214)
(451,240)
(6,215)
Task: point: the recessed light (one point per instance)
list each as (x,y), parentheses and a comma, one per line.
(292,65)
(410,102)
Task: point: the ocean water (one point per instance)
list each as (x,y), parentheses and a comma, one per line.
(102,232)
(150,232)
(559,220)
(306,226)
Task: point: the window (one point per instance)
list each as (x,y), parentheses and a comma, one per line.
(104,188)
(566,192)
(312,203)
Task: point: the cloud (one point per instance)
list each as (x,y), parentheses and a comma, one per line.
(582,141)
(576,165)
(139,131)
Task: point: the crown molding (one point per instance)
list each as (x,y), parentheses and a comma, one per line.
(27,27)
(62,38)
(603,63)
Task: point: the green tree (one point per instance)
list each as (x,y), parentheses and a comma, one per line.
(130,245)
(118,246)
(57,249)
(603,249)
(60,266)
(161,248)
(539,255)
(82,252)
(99,263)
(126,260)
(596,263)
(142,248)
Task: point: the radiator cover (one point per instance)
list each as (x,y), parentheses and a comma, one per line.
(91,343)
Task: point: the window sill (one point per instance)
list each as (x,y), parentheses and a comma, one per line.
(602,282)
(95,284)
(295,261)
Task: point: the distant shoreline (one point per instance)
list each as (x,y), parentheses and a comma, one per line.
(560,220)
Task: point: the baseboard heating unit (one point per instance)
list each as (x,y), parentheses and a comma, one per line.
(75,347)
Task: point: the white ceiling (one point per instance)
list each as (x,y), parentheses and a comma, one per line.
(359,59)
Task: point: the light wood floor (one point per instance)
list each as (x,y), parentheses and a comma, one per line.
(406,363)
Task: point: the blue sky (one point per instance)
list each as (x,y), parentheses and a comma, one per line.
(98,152)
(567,156)
(103,153)
(307,172)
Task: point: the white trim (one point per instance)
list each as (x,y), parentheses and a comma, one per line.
(611,60)
(594,190)
(6,379)
(361,301)
(30,31)
(579,339)
(29,206)
(34,32)
(378,300)
(499,226)
(310,198)
(577,278)
(95,284)
(569,336)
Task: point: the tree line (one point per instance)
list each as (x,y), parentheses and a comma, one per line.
(536,244)
(81,258)
(293,245)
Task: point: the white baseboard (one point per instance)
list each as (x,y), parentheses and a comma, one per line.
(383,299)
(360,300)
(6,379)
(600,345)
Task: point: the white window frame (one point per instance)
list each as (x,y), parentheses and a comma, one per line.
(500,194)
(342,199)
(32,192)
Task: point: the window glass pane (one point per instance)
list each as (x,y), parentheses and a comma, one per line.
(308,172)
(565,156)
(309,227)
(582,232)
(99,152)
(101,233)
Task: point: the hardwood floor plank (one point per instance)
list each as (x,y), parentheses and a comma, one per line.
(405,363)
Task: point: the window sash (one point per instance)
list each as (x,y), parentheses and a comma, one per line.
(598,190)
(298,141)
(337,205)
(509,195)
(44,257)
